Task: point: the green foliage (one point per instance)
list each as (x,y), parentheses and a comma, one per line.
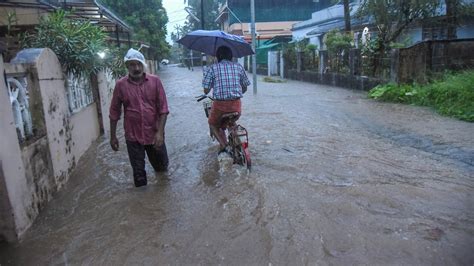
(402,44)
(11,21)
(466,8)
(337,41)
(309,57)
(75,43)
(301,44)
(453,95)
(391,18)
(211,10)
(148,20)
(273,80)
(113,61)
(370,52)
(338,45)
(311,47)
(289,55)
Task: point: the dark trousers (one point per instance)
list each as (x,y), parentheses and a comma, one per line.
(157,158)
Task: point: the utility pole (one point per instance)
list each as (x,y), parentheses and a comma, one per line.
(203,56)
(254,56)
(347,16)
(202,15)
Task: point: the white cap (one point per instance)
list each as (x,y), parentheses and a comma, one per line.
(134,55)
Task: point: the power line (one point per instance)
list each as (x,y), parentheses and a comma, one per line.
(178,20)
(176,11)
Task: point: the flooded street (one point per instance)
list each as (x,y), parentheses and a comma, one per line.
(336,179)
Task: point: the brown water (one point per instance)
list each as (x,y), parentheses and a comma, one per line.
(336,179)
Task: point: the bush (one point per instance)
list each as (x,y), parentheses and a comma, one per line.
(75,43)
(453,95)
(339,44)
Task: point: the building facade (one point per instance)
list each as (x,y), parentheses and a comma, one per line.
(273,17)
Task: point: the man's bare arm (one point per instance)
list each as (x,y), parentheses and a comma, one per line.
(113,135)
(160,130)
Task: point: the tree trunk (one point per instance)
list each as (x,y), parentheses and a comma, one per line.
(347,16)
(451,18)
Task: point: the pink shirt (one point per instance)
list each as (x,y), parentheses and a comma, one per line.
(142,103)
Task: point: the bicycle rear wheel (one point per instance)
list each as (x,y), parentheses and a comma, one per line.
(243,157)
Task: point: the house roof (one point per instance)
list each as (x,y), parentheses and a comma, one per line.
(267,46)
(265,30)
(92,11)
(327,15)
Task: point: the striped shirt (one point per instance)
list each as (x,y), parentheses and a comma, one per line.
(226,79)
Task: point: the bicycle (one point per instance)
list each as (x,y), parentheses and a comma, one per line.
(237,135)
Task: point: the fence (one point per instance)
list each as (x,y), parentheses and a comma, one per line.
(418,62)
(358,70)
(48,121)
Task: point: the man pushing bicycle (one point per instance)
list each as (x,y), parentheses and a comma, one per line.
(228,82)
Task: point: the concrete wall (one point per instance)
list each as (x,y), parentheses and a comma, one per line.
(335,79)
(55,108)
(39,166)
(15,197)
(85,130)
(35,151)
(38,175)
(106,84)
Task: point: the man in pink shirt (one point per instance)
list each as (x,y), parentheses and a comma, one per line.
(145,111)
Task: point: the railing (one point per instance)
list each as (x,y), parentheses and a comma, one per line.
(79,92)
(19,99)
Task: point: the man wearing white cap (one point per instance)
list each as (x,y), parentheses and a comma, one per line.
(145,111)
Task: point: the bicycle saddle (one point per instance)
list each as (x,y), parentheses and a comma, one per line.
(231,115)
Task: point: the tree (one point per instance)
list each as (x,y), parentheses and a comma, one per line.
(338,44)
(211,10)
(75,43)
(391,17)
(148,20)
(451,17)
(455,9)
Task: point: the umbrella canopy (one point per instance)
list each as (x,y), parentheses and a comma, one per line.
(207,41)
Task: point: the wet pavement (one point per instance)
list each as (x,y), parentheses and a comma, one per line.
(337,179)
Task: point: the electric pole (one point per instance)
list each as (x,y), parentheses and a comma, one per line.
(203,56)
(202,15)
(254,56)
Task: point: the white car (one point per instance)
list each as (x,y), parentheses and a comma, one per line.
(165,61)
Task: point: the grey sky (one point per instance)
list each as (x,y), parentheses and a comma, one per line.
(176,15)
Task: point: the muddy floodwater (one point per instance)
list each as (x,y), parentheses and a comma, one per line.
(337,179)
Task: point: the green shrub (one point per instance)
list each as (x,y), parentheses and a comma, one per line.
(273,80)
(75,43)
(453,95)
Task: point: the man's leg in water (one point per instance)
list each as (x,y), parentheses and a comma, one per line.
(220,136)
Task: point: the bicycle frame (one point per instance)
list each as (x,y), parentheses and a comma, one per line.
(237,135)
